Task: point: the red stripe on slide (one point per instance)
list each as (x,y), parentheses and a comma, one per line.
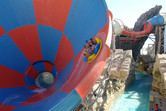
(33,87)
(31,72)
(103,33)
(95,71)
(4,107)
(27,39)
(79,72)
(65,53)
(10,78)
(2,31)
(40,96)
(84,75)
(53,13)
(48,67)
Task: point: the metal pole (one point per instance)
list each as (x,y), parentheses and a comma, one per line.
(165,40)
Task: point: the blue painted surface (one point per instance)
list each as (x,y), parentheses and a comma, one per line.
(54,71)
(97,48)
(15,96)
(156,20)
(86,18)
(48,103)
(11,56)
(63,75)
(105,4)
(16,13)
(85,59)
(29,81)
(49,40)
(154,109)
(69,103)
(39,67)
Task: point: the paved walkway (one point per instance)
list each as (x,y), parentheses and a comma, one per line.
(157,99)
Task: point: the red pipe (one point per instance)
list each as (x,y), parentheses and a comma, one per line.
(148,28)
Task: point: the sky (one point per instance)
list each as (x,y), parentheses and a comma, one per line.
(130,10)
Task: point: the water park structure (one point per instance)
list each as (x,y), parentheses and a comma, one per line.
(42,62)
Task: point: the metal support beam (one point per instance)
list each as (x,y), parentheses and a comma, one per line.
(165,40)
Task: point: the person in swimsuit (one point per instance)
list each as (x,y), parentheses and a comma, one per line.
(88,49)
(93,41)
(157,108)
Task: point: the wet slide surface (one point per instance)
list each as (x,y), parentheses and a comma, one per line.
(48,36)
(136,97)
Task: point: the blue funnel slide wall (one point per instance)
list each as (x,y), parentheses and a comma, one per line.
(39,36)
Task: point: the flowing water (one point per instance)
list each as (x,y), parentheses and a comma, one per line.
(136,96)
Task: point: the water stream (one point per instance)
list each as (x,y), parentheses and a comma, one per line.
(136,96)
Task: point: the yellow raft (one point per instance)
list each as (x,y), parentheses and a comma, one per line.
(93,56)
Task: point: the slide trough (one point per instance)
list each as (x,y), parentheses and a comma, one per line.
(47,37)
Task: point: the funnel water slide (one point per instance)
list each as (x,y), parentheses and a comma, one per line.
(47,36)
